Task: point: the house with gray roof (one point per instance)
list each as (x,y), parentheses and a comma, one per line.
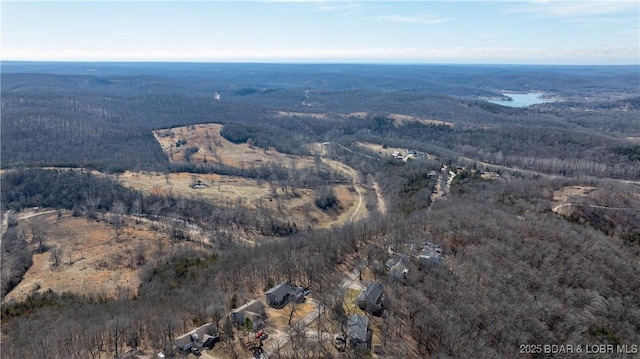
(192,342)
(430,255)
(372,299)
(254,311)
(358,333)
(396,266)
(281,294)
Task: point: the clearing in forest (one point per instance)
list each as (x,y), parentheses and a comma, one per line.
(562,198)
(388,151)
(296,204)
(211,147)
(93,261)
(397,118)
(402,119)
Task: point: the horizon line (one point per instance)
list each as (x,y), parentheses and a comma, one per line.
(310,62)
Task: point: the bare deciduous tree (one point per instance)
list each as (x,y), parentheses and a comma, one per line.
(56,255)
(38,236)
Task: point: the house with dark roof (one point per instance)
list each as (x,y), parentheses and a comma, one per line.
(372,299)
(281,294)
(358,333)
(192,342)
(254,311)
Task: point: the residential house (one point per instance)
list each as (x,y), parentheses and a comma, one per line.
(396,266)
(192,342)
(372,299)
(358,333)
(430,255)
(254,311)
(281,294)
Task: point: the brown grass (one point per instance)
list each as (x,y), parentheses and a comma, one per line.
(218,187)
(279,318)
(287,114)
(389,150)
(94,261)
(563,197)
(379,149)
(213,148)
(397,118)
(402,119)
(350,306)
(227,190)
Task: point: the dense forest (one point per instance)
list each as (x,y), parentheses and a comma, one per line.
(104,122)
(483,186)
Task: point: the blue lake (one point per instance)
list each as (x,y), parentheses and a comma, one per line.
(521,99)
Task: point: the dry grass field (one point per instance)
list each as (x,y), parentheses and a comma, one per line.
(402,119)
(389,150)
(381,150)
(228,190)
(562,198)
(397,118)
(96,262)
(213,187)
(213,148)
(93,262)
(288,114)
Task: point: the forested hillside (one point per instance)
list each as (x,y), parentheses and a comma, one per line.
(104,122)
(532,214)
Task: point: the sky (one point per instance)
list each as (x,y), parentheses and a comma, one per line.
(313,31)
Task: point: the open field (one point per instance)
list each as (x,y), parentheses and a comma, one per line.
(402,119)
(382,150)
(566,199)
(316,116)
(562,198)
(388,151)
(93,261)
(397,118)
(213,186)
(279,318)
(297,205)
(213,148)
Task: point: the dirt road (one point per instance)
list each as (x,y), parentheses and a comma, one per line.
(337,165)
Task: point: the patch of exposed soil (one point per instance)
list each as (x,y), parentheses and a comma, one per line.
(561,202)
